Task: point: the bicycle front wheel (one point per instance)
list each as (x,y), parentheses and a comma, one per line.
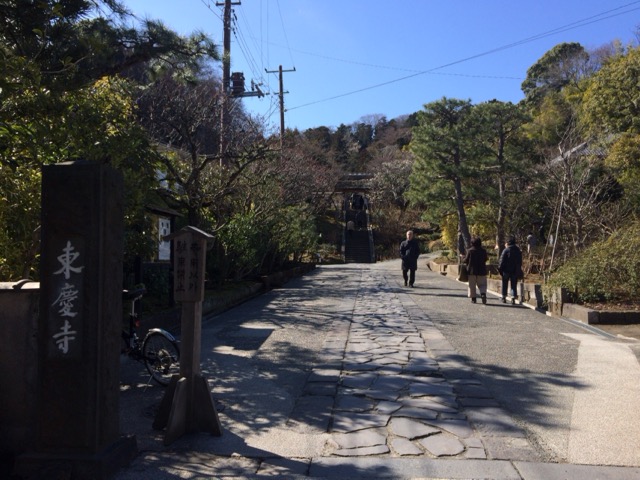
(161,357)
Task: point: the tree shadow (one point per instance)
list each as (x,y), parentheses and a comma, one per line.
(527,381)
(256,358)
(259,356)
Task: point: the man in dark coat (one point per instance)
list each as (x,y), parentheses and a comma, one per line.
(475,260)
(510,268)
(409,253)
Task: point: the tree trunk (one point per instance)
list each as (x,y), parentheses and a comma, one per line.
(463,226)
(500,234)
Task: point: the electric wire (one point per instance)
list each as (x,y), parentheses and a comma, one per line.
(577,24)
(241,41)
(246,50)
(257,72)
(542,35)
(284,31)
(207,4)
(401,69)
(273,108)
(261,30)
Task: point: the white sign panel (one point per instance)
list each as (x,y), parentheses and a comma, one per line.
(164,247)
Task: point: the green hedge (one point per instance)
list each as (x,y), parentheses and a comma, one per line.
(606,271)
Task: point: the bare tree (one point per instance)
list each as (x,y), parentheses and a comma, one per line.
(183,118)
(579,190)
(390,183)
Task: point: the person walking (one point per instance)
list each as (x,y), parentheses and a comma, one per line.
(510,266)
(531,243)
(350,227)
(409,253)
(475,260)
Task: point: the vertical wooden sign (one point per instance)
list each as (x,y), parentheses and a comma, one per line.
(187,405)
(190,247)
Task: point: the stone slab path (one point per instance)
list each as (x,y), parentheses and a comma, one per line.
(399,390)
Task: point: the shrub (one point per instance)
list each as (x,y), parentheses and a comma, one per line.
(449,229)
(606,271)
(436,245)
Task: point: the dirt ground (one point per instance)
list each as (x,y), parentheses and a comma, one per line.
(631,331)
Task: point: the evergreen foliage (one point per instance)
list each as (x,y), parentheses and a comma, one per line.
(606,271)
(445,160)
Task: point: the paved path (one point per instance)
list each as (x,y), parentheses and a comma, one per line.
(345,374)
(605,367)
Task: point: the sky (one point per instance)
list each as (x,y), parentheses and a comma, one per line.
(356,59)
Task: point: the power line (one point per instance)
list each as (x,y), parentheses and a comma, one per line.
(241,41)
(246,48)
(577,24)
(207,4)
(246,51)
(284,31)
(387,67)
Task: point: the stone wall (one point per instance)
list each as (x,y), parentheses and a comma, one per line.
(557,305)
(529,293)
(211,306)
(595,317)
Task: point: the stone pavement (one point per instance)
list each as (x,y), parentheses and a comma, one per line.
(401,392)
(339,375)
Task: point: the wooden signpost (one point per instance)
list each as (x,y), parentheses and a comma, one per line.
(187,405)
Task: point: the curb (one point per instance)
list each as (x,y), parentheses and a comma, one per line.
(533,299)
(170,319)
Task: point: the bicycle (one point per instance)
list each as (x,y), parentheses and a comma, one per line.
(158,351)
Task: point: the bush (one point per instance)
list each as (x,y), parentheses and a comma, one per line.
(436,245)
(606,271)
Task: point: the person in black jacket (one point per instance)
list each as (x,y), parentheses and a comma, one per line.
(475,260)
(409,252)
(510,268)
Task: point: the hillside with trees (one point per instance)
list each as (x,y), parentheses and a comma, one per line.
(79,83)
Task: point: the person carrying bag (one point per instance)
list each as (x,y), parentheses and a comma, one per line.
(475,262)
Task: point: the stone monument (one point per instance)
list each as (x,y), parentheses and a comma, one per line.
(77,433)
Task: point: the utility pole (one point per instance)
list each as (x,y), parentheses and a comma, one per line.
(226,75)
(281,94)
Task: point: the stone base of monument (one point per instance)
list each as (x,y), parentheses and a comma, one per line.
(187,407)
(78,466)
